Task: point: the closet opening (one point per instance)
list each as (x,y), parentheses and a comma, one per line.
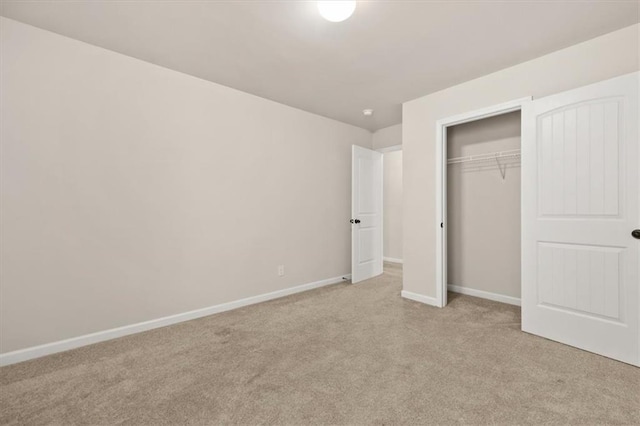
(392,207)
(483,208)
(479,194)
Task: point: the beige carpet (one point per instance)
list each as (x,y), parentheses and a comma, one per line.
(343,354)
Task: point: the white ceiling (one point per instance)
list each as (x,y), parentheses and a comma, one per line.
(388,52)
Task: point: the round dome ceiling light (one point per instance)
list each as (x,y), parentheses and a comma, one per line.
(367,112)
(336,10)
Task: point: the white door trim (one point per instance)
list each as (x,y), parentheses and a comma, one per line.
(441,182)
(390,148)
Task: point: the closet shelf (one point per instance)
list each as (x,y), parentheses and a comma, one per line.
(491,156)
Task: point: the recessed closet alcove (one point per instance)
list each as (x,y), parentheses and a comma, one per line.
(483,207)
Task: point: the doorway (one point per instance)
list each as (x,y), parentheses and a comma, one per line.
(376,219)
(483,208)
(442,160)
(392,204)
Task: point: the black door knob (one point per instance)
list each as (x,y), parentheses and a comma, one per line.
(357,221)
(636,234)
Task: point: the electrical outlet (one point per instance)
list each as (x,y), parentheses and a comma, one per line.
(281,270)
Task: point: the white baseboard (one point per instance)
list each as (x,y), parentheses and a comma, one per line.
(89,339)
(484,294)
(392,260)
(420,298)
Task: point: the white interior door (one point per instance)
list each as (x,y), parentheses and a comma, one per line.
(579,209)
(366,214)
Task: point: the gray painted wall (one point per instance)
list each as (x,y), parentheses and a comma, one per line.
(132,192)
(389,136)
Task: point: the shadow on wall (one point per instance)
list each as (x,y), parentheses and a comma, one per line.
(478,137)
(392,199)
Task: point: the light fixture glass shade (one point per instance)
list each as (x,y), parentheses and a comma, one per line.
(337,10)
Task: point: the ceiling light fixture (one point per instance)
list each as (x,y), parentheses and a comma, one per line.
(367,112)
(337,10)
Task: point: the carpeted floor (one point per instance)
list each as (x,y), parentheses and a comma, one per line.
(343,354)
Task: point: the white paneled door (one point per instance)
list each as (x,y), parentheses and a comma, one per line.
(580,207)
(366,214)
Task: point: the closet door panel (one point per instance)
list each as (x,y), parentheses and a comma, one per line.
(570,165)
(583,155)
(596,169)
(579,278)
(580,195)
(579,157)
(611,161)
(557,164)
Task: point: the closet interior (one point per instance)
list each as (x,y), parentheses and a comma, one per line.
(483,208)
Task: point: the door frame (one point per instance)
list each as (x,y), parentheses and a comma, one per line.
(441,182)
(391,148)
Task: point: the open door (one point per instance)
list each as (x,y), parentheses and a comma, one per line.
(580,253)
(366,214)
